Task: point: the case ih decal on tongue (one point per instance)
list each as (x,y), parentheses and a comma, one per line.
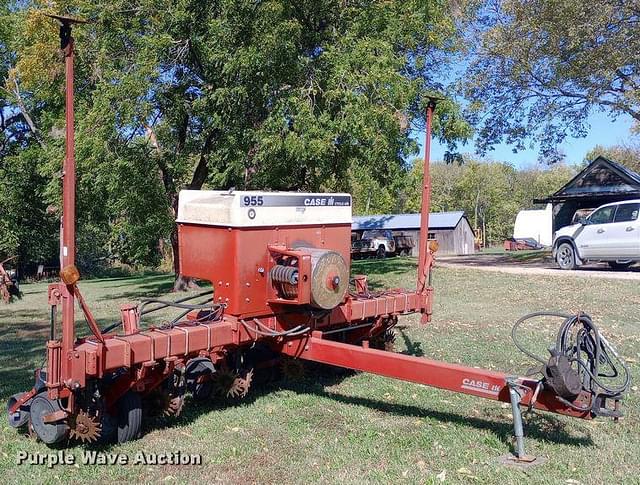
(480,386)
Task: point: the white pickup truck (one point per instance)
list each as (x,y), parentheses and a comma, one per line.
(611,234)
(374,242)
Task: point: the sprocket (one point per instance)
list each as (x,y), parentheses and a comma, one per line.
(85,427)
(232,384)
(384,341)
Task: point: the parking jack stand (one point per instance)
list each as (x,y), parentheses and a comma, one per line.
(519,457)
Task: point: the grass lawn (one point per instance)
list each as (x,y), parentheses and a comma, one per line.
(364,428)
(522,256)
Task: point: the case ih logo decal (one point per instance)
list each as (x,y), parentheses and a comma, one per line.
(480,386)
(295,201)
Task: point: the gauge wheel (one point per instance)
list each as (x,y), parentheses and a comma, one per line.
(129,409)
(566,256)
(381,253)
(49,433)
(619,264)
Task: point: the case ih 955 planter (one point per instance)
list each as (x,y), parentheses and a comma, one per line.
(279,264)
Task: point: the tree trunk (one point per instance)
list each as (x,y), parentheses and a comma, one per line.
(182,282)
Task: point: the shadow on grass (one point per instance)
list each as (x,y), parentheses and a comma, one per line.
(413,348)
(23,335)
(15,315)
(131,280)
(20,357)
(539,427)
(149,288)
(386,266)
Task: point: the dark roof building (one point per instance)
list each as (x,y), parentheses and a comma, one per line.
(451,229)
(600,182)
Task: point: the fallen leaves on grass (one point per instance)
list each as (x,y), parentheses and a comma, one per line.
(466,473)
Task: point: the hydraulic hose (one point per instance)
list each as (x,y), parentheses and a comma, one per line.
(581,342)
(161,304)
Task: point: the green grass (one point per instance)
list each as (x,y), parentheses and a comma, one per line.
(523,256)
(364,428)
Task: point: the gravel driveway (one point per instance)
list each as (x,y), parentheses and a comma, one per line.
(542,265)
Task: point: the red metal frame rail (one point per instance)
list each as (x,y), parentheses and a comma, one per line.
(453,377)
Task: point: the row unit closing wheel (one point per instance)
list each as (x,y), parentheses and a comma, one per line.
(199,378)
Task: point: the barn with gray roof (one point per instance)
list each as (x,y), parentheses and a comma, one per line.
(451,229)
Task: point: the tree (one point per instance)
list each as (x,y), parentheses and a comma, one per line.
(538,182)
(628,154)
(445,180)
(289,95)
(25,225)
(24,220)
(490,193)
(539,67)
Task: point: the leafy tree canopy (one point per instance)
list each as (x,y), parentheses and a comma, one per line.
(538,68)
(228,93)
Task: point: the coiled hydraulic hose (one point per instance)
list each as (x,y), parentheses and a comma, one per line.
(595,359)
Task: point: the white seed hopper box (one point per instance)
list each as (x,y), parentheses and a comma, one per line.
(254,209)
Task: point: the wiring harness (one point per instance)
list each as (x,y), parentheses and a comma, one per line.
(581,360)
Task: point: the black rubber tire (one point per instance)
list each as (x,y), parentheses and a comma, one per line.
(566,256)
(381,252)
(22,415)
(49,433)
(619,266)
(202,391)
(195,369)
(129,416)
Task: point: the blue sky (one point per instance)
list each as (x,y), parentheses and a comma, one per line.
(603,131)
